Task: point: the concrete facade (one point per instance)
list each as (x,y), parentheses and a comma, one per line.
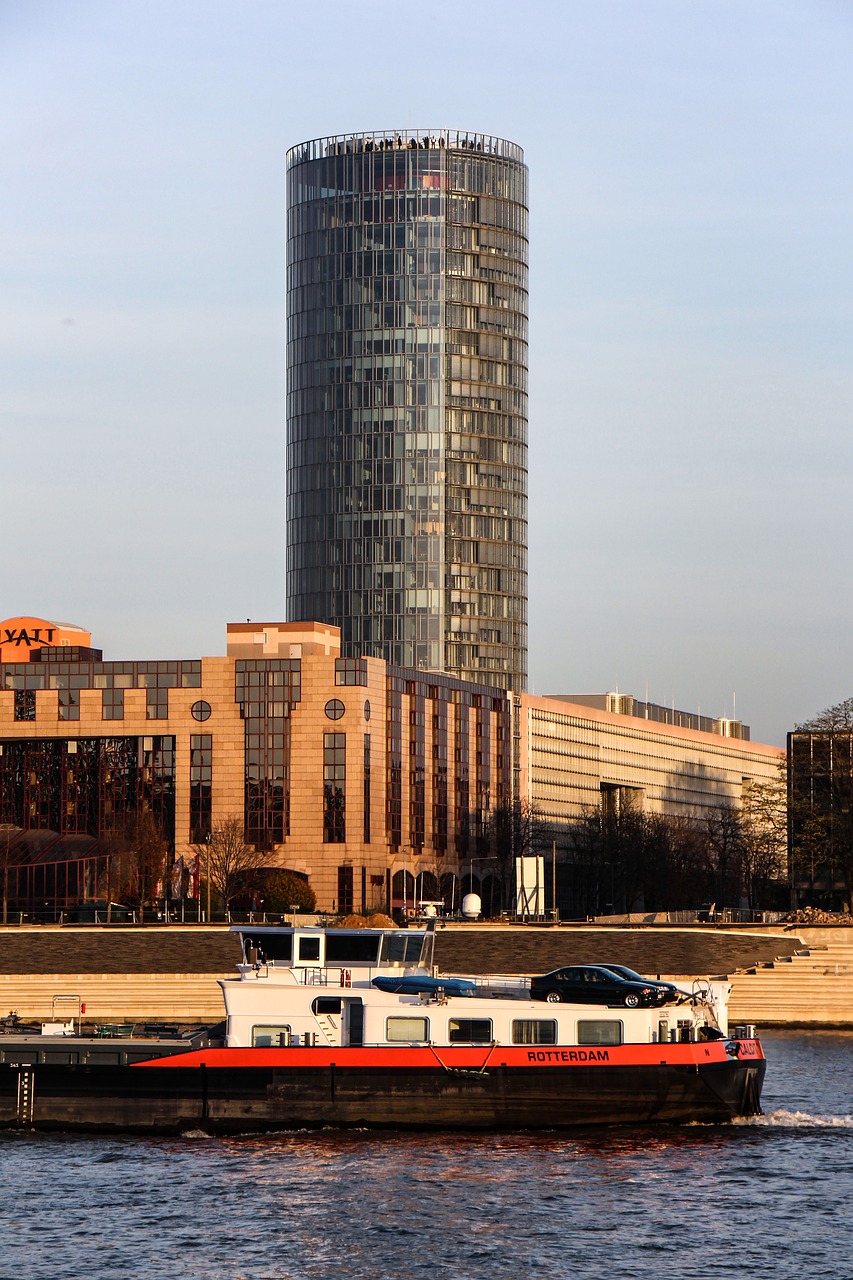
(571,756)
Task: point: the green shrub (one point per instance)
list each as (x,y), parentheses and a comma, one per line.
(285,889)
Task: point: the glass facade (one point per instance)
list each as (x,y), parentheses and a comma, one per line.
(112,678)
(97,787)
(407,399)
(267,691)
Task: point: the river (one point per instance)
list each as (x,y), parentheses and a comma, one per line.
(763,1198)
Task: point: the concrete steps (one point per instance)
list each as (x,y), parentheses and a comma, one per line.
(814,988)
(115,997)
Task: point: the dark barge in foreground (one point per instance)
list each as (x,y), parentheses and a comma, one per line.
(310,1041)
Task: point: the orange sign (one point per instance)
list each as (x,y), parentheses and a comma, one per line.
(19,636)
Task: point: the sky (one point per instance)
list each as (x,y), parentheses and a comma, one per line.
(691,315)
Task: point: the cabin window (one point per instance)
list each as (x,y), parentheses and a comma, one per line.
(401,948)
(309,948)
(327,1004)
(276,1037)
(599,1031)
(268,946)
(469,1030)
(351,948)
(534,1031)
(407,1029)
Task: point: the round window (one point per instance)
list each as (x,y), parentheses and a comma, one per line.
(366,710)
(335,708)
(201,710)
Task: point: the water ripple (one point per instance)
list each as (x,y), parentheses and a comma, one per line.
(760,1196)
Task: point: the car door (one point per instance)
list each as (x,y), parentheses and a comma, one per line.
(604,989)
(583,986)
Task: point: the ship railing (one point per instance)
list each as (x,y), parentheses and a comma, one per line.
(334,975)
(348,975)
(513,983)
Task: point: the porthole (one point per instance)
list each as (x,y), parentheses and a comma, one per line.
(334,709)
(201,710)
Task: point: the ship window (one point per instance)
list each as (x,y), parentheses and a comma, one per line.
(469,1030)
(351,948)
(407,1029)
(327,1004)
(599,1031)
(276,1037)
(269,946)
(399,948)
(309,948)
(534,1031)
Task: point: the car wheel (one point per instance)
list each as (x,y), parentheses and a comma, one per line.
(632,1000)
(553,997)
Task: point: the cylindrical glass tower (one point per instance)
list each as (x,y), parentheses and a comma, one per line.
(407,398)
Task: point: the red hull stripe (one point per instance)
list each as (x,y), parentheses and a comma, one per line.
(466,1057)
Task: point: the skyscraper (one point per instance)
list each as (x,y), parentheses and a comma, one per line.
(407,398)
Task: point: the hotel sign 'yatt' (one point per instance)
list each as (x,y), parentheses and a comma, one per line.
(20,636)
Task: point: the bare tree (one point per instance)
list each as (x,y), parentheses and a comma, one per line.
(515,830)
(149,848)
(764,838)
(837,719)
(724,830)
(226,858)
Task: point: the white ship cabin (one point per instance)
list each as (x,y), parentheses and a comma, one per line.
(301,987)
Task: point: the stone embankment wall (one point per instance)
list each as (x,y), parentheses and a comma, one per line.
(170,973)
(121,974)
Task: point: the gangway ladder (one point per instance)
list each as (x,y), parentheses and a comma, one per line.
(26,1095)
(74,1009)
(328,1026)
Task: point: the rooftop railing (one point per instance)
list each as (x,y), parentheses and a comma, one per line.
(405,140)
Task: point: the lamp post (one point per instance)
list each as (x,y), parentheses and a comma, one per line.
(405,882)
(209,838)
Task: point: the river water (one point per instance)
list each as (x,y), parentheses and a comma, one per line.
(764,1198)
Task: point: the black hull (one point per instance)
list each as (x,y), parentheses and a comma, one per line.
(240,1099)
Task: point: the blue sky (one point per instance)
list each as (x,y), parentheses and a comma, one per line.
(691,299)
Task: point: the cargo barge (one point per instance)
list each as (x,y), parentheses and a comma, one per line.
(337,1027)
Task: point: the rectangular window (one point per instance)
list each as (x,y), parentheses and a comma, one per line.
(112,703)
(345,891)
(201,773)
(334,788)
(25,704)
(407,1029)
(350,671)
(600,1031)
(367,788)
(469,1030)
(270,1037)
(309,949)
(534,1031)
(397,948)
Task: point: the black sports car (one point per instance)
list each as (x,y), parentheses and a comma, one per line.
(593,984)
